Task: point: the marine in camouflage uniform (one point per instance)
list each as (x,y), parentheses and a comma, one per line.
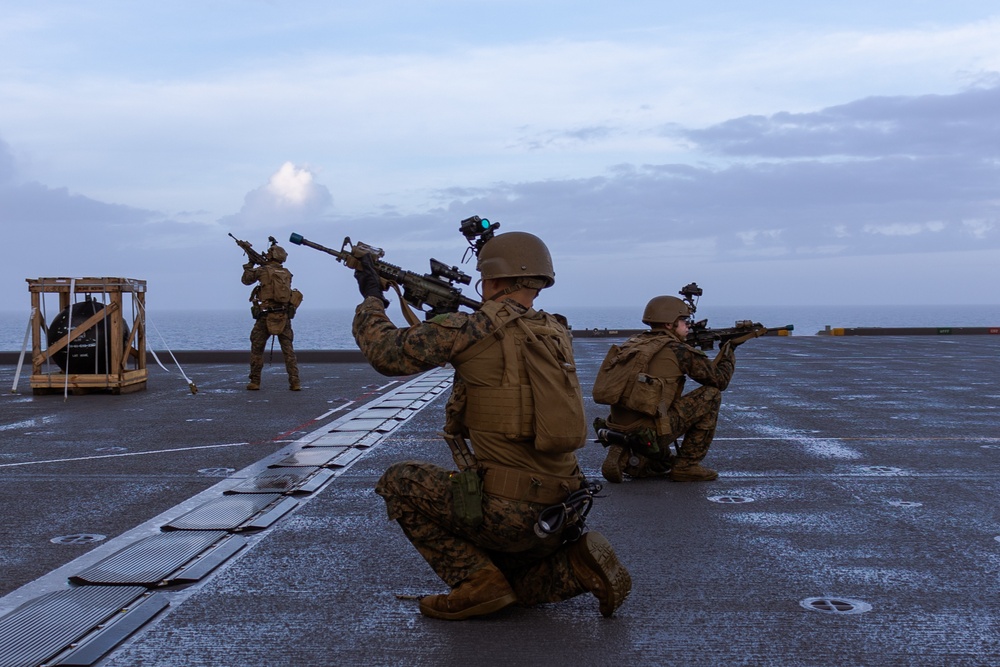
(690,416)
(272,317)
(501,561)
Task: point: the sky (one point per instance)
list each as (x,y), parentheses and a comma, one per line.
(773,152)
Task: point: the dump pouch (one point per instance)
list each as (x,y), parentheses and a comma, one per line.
(276,323)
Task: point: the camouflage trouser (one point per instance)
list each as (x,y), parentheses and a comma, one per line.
(258,340)
(693,416)
(418,496)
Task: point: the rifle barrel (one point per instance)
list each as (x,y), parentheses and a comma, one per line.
(298,239)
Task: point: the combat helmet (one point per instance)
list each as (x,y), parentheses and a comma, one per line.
(277,254)
(517,255)
(664,310)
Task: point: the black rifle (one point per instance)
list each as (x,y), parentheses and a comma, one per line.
(435,289)
(699,335)
(252,254)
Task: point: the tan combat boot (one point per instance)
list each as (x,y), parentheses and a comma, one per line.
(485,592)
(294,386)
(614,464)
(253,386)
(599,571)
(692,472)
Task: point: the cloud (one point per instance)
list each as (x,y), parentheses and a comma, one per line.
(290,196)
(965,124)
(631,224)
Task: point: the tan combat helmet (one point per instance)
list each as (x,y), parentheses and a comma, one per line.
(664,310)
(277,254)
(517,255)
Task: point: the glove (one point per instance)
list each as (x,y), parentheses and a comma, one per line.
(248,266)
(756,332)
(369,284)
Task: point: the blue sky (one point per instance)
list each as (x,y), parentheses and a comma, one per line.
(774,152)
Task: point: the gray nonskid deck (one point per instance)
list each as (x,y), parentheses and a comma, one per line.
(854,522)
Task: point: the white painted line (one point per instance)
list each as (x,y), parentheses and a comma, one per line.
(337,409)
(115,456)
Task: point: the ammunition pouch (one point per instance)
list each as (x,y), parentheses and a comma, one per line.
(467,497)
(256,311)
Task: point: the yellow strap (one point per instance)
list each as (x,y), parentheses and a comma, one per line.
(411,318)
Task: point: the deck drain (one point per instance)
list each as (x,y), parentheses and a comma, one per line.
(905,503)
(883,470)
(730,499)
(830,605)
(217,472)
(78,538)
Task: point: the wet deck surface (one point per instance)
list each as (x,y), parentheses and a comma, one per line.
(860,470)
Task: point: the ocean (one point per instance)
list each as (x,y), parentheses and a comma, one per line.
(330,329)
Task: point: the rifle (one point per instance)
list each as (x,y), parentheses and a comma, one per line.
(699,335)
(435,289)
(252,254)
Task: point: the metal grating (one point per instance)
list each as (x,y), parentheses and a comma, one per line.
(313,457)
(231,512)
(95,646)
(41,628)
(391,403)
(364,425)
(283,480)
(379,412)
(340,439)
(345,459)
(150,561)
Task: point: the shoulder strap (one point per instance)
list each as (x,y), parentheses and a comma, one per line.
(492,310)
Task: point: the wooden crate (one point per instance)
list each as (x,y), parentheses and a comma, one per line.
(126,364)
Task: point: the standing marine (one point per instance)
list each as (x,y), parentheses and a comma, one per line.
(516,397)
(272,304)
(643,382)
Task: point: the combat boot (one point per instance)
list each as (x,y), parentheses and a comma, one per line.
(692,472)
(614,464)
(253,386)
(484,592)
(294,385)
(596,567)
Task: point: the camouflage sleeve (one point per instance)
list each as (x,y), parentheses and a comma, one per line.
(697,366)
(394,351)
(249,275)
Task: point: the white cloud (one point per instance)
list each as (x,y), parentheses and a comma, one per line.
(290,196)
(292,186)
(905,228)
(978,228)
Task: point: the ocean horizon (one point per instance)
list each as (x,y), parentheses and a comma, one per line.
(330,328)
